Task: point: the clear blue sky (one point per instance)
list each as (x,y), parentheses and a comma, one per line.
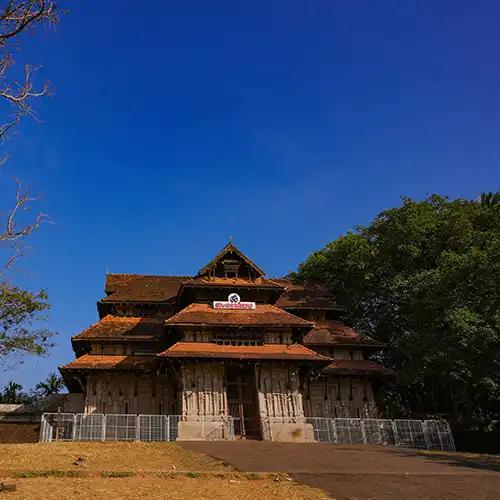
(283,124)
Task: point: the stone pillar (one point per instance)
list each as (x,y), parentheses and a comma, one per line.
(204,402)
(280,403)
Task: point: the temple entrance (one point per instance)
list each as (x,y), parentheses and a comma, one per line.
(242,401)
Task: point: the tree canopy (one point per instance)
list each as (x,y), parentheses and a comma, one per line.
(424,278)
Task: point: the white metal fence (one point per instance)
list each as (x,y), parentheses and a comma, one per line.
(423,434)
(114,427)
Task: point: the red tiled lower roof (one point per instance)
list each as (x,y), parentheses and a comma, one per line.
(123,327)
(142,287)
(357,367)
(294,352)
(305,295)
(330,332)
(231,282)
(99,362)
(262,315)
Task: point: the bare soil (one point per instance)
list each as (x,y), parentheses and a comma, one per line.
(366,472)
(110,471)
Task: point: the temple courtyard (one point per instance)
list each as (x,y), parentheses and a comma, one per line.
(243,469)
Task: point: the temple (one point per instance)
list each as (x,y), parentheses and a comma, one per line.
(227,342)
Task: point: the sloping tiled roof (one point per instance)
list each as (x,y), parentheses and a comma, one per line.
(306,294)
(123,327)
(99,362)
(294,352)
(231,282)
(357,367)
(142,288)
(262,315)
(331,332)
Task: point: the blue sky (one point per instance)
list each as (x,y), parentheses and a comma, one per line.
(282,124)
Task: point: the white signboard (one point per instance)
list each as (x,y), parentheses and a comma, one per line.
(233,302)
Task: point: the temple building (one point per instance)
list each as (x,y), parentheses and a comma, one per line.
(228,342)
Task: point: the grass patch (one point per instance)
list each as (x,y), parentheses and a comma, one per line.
(48,473)
(253,476)
(194,475)
(118,473)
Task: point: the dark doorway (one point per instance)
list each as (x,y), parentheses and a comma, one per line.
(242,401)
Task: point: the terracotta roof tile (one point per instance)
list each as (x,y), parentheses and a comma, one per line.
(98,362)
(357,367)
(306,294)
(123,327)
(231,282)
(262,315)
(292,352)
(330,332)
(142,288)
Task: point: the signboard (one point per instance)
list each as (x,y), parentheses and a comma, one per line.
(233,302)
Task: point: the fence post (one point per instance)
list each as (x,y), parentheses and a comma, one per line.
(42,430)
(425,432)
(103,428)
(168,427)
(73,433)
(137,428)
(363,432)
(395,432)
(334,427)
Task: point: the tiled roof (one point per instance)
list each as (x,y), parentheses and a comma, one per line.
(231,282)
(357,367)
(123,327)
(306,294)
(142,288)
(262,315)
(98,362)
(331,332)
(292,352)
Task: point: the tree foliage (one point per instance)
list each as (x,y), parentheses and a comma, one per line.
(424,278)
(13,392)
(19,309)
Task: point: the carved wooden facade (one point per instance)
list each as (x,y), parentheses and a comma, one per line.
(161,347)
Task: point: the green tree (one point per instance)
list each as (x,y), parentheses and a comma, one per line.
(13,394)
(51,385)
(424,278)
(18,310)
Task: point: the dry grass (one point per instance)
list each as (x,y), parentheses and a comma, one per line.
(139,457)
(156,488)
(113,471)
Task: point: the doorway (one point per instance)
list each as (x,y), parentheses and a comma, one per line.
(242,401)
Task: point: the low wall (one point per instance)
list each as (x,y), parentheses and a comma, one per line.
(18,432)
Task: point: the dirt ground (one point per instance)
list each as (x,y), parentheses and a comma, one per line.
(97,456)
(112,471)
(184,488)
(366,472)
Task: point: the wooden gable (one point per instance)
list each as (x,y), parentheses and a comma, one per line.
(231,262)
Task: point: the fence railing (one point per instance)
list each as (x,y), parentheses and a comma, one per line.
(115,427)
(422,434)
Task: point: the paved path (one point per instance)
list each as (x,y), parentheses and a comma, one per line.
(365,472)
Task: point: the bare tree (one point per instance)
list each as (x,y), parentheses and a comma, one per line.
(17,18)
(19,308)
